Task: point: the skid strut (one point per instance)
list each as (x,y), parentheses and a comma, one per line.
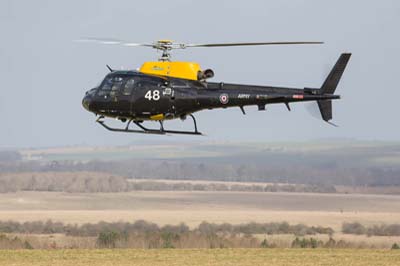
(145,130)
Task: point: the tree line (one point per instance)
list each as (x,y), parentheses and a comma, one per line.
(145,227)
(373,230)
(276,170)
(66,182)
(91,182)
(112,239)
(147,235)
(10,156)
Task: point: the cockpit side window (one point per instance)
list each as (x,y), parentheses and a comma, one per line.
(116,86)
(107,84)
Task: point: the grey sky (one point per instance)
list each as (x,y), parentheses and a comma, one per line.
(44,74)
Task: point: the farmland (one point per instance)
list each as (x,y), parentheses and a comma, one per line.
(194,207)
(287,257)
(349,166)
(317,184)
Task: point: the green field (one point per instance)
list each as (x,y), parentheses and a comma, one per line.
(364,152)
(194,257)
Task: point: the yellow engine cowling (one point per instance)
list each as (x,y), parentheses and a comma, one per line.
(183,70)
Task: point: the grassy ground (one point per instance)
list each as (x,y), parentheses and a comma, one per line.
(251,257)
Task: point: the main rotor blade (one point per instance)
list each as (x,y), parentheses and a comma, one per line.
(171,45)
(113,42)
(248,44)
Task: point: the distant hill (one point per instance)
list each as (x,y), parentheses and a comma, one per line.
(348,163)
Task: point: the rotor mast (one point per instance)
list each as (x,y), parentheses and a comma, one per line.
(165,46)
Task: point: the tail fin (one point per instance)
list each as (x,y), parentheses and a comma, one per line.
(330,84)
(333,78)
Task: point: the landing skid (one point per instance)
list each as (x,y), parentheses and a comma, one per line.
(145,130)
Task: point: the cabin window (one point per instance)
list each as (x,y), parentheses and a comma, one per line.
(128,87)
(116,86)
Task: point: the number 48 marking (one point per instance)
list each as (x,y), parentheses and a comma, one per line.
(152,95)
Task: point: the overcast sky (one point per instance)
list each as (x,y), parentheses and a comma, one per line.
(44,74)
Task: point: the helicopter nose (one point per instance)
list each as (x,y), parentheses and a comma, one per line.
(86,102)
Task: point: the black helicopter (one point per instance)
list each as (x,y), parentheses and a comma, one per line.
(164,90)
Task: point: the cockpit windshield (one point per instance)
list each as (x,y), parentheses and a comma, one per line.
(117,85)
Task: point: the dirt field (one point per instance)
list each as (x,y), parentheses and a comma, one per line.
(243,257)
(194,207)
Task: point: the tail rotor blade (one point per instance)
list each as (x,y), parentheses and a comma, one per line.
(313,109)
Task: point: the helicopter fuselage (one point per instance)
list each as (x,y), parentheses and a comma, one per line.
(131,95)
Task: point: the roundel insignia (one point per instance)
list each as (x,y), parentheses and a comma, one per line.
(223,98)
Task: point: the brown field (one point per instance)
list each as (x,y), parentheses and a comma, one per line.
(287,257)
(194,207)
(328,210)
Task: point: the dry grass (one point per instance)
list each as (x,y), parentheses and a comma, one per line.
(61,241)
(194,207)
(177,200)
(218,207)
(356,241)
(195,257)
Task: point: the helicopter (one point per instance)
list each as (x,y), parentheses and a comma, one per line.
(163,90)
